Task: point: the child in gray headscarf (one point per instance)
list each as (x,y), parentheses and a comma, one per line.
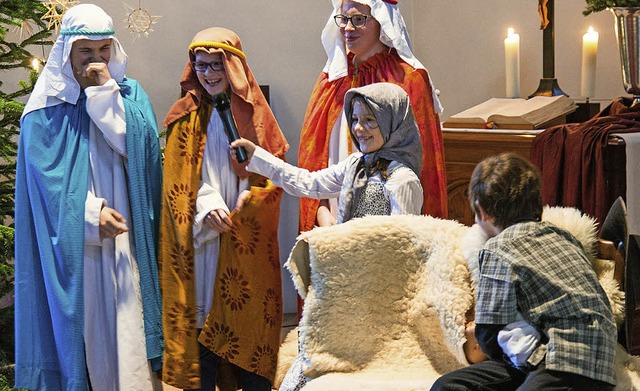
(382,178)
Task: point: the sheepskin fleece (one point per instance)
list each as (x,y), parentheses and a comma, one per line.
(386,299)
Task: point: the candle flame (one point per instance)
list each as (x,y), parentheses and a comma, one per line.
(590,29)
(510,32)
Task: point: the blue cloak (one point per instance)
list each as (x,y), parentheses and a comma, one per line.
(51,187)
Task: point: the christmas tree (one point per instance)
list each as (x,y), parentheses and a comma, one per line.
(21,30)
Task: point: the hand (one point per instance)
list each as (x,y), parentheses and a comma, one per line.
(248,146)
(112,223)
(243,198)
(218,220)
(98,72)
(324,217)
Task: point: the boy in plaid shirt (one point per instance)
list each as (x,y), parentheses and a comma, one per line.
(540,272)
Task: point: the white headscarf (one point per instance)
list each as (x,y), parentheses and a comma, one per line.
(393,33)
(56,84)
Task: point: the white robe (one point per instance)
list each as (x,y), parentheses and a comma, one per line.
(114,326)
(219,189)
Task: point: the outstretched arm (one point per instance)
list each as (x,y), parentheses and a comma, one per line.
(296,181)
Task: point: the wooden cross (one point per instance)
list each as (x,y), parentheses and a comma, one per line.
(548,84)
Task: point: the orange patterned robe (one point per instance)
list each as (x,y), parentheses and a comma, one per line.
(248,268)
(325,107)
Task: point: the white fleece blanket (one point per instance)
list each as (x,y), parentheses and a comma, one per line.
(386,299)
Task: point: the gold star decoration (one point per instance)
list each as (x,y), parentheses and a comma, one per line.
(139,21)
(25,27)
(55,10)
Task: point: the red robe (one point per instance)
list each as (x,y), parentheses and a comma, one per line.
(325,107)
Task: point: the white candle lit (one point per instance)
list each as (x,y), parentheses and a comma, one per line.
(589,56)
(512,63)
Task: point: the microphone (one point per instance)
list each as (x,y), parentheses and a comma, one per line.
(223,105)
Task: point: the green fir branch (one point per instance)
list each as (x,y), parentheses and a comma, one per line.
(601,5)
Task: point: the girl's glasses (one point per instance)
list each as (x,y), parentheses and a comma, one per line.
(202,66)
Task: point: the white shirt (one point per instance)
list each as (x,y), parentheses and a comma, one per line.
(219,189)
(402,187)
(114,327)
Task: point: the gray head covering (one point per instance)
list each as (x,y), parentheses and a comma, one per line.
(391,107)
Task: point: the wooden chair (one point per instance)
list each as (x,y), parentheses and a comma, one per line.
(614,238)
(632,296)
(623,250)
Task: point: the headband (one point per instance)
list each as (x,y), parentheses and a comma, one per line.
(86,32)
(219,45)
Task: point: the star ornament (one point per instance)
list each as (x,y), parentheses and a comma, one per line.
(139,21)
(55,10)
(25,28)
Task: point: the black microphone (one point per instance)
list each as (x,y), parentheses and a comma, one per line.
(223,105)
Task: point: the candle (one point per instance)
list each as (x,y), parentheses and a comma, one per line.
(512,63)
(589,56)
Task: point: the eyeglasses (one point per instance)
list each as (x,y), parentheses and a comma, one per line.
(202,66)
(357,21)
(367,123)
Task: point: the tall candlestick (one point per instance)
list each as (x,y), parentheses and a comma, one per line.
(589,56)
(512,63)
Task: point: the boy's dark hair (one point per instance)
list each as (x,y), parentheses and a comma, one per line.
(507,187)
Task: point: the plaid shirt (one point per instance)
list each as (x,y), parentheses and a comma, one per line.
(542,271)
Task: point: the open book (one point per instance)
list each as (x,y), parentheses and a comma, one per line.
(503,113)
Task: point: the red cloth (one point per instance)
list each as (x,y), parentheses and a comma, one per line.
(579,168)
(325,106)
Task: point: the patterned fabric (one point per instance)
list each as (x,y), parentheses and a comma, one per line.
(187,122)
(373,201)
(244,297)
(295,379)
(325,106)
(243,326)
(535,268)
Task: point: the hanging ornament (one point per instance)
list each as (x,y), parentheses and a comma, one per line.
(139,21)
(55,17)
(25,27)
